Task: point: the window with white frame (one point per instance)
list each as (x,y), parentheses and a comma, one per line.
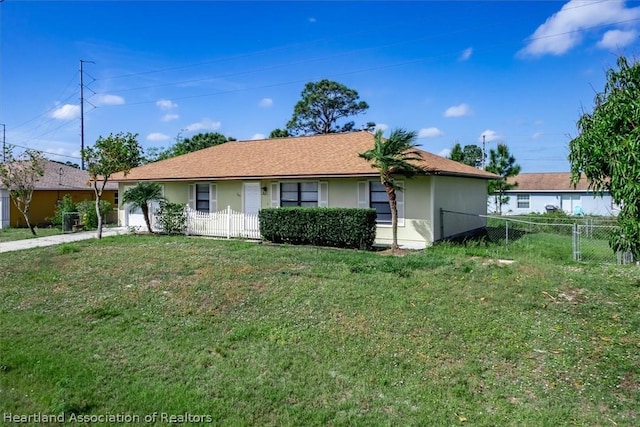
(522,201)
(379,201)
(202,197)
(303,194)
(372,194)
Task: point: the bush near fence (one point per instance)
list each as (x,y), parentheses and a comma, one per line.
(335,227)
(171,218)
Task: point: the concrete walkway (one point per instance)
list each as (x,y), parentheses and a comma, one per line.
(36,242)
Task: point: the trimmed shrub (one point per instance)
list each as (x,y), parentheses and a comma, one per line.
(171,218)
(335,227)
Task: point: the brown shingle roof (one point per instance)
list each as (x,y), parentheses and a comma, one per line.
(329,155)
(558,181)
(58,176)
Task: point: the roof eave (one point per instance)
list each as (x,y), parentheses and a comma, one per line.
(252,178)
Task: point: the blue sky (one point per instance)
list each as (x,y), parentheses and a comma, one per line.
(518,72)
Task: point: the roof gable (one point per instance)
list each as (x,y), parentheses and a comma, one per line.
(58,176)
(328,155)
(556,181)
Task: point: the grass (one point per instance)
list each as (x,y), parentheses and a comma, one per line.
(276,335)
(11,234)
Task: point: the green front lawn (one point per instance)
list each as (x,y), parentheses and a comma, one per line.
(265,335)
(11,234)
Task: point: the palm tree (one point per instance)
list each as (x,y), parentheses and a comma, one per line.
(141,195)
(393,156)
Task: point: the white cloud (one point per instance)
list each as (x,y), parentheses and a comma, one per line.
(466,54)
(204,124)
(617,39)
(457,111)
(66,112)
(445,152)
(563,30)
(429,132)
(537,135)
(106,99)
(489,135)
(381,126)
(259,136)
(157,137)
(169,117)
(165,104)
(266,102)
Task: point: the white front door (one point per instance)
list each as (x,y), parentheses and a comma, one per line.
(570,202)
(133,217)
(251,200)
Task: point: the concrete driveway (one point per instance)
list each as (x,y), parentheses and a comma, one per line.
(36,242)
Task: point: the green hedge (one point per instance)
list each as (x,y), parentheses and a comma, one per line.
(337,227)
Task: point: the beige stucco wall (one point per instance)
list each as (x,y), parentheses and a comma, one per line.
(467,196)
(417,231)
(176,192)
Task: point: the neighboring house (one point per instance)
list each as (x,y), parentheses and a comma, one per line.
(58,180)
(539,192)
(320,170)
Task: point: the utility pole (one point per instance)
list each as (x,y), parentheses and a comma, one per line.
(82,111)
(484,153)
(4,143)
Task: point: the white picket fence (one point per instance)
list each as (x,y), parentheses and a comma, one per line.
(225,223)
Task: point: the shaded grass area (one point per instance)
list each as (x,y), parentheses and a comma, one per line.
(277,335)
(11,234)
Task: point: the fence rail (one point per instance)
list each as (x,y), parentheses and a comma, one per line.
(582,239)
(225,223)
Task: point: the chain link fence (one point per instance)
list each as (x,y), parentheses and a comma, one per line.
(582,239)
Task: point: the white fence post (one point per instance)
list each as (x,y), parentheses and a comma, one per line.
(228,222)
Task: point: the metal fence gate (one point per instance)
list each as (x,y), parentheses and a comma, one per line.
(591,243)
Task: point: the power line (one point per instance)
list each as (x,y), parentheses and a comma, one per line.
(45,152)
(274,67)
(276,49)
(49,110)
(313,42)
(363,70)
(304,80)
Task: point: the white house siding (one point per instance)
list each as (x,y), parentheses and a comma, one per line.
(467,196)
(537,203)
(586,201)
